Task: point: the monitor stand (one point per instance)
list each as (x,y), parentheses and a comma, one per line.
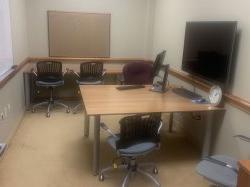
(158,88)
(161,86)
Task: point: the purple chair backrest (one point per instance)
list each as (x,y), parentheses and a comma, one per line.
(138,73)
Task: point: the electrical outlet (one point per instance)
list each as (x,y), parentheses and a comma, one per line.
(9,107)
(2,148)
(5,112)
(2,116)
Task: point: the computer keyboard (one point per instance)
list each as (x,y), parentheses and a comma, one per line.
(186,93)
(130,87)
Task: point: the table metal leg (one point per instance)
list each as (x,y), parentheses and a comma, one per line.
(171,122)
(86,125)
(208,134)
(96,146)
(86,122)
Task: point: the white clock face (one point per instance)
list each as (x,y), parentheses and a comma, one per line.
(215,95)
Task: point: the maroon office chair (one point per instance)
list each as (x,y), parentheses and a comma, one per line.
(138,73)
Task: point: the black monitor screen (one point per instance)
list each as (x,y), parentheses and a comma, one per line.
(208,50)
(157,66)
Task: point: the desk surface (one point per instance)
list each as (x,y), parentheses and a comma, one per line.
(107,100)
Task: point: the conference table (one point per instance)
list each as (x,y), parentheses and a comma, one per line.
(107,100)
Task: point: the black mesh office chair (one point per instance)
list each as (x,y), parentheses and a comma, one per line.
(49,74)
(91,73)
(139,135)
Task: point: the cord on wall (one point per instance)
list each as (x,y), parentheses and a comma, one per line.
(242,137)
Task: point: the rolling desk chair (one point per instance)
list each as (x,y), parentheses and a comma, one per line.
(137,73)
(220,169)
(91,73)
(139,135)
(49,74)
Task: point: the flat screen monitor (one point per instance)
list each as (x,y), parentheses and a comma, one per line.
(158,63)
(208,50)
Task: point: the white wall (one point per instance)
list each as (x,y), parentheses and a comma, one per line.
(130,26)
(13,92)
(169,30)
(19,30)
(131,33)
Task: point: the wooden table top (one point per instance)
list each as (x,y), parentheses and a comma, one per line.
(107,100)
(245,164)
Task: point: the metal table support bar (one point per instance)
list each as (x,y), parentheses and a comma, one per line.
(206,150)
(96,146)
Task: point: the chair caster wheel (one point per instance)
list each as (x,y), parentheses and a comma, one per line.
(155,171)
(101,177)
(48,115)
(33,110)
(68,110)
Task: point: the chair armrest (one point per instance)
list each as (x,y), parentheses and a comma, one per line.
(65,72)
(242,137)
(159,129)
(104,72)
(72,71)
(105,127)
(33,72)
(215,161)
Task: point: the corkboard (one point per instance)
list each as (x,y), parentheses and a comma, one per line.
(76,34)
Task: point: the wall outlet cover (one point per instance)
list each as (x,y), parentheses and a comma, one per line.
(2,148)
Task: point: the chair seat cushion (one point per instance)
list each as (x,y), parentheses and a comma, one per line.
(133,150)
(218,174)
(93,82)
(50,83)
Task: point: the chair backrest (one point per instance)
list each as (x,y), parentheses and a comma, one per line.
(49,71)
(158,62)
(139,129)
(138,73)
(91,70)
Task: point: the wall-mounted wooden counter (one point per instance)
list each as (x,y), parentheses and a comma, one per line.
(105,60)
(236,101)
(12,72)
